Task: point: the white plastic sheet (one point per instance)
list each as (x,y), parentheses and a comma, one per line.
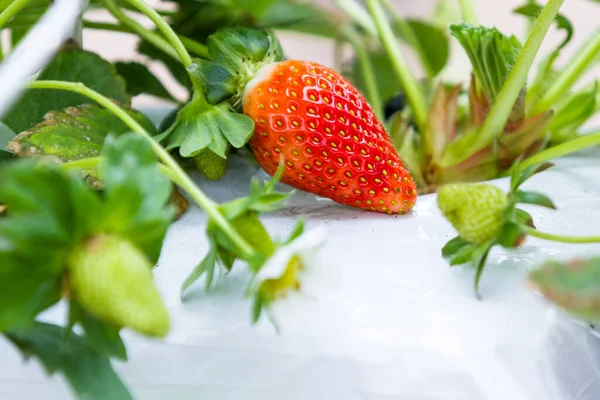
(382,316)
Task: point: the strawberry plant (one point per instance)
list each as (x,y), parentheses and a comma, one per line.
(89,185)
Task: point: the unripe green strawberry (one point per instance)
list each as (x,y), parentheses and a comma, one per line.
(252,230)
(474,209)
(210,164)
(112,280)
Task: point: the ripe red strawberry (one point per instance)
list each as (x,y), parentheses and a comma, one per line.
(330,140)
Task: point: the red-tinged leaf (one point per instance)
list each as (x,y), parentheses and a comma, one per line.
(442,120)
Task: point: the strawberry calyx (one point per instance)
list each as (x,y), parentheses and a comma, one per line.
(484,216)
(236,55)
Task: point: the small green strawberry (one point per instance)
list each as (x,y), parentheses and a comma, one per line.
(474,209)
(210,164)
(112,280)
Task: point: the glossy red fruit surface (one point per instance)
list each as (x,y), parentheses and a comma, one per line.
(331,142)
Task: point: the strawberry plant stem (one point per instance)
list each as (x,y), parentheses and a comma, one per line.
(12,9)
(166,30)
(372,92)
(467,9)
(405,75)
(191,45)
(569,76)
(500,112)
(179,175)
(559,238)
(409,35)
(572,146)
(359,15)
(153,38)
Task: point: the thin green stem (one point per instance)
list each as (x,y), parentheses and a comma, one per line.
(179,175)
(405,75)
(467,9)
(84,163)
(191,45)
(359,15)
(372,92)
(165,29)
(500,112)
(153,38)
(11,10)
(559,238)
(572,146)
(409,35)
(569,76)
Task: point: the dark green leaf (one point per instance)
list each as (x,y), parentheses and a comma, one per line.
(573,286)
(140,80)
(492,56)
(257,307)
(463,255)
(430,42)
(89,373)
(533,10)
(386,79)
(175,67)
(453,246)
(534,198)
(511,236)
(104,338)
(73,134)
(72,65)
(136,193)
(217,82)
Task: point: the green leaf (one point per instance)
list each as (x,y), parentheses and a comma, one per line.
(385,78)
(478,259)
(522,217)
(200,125)
(573,111)
(136,194)
(492,56)
(89,373)
(463,255)
(302,17)
(511,236)
(453,246)
(538,199)
(297,230)
(233,47)
(573,286)
(73,134)
(104,338)
(206,265)
(49,210)
(6,135)
(528,173)
(72,65)
(140,80)
(533,10)
(431,43)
